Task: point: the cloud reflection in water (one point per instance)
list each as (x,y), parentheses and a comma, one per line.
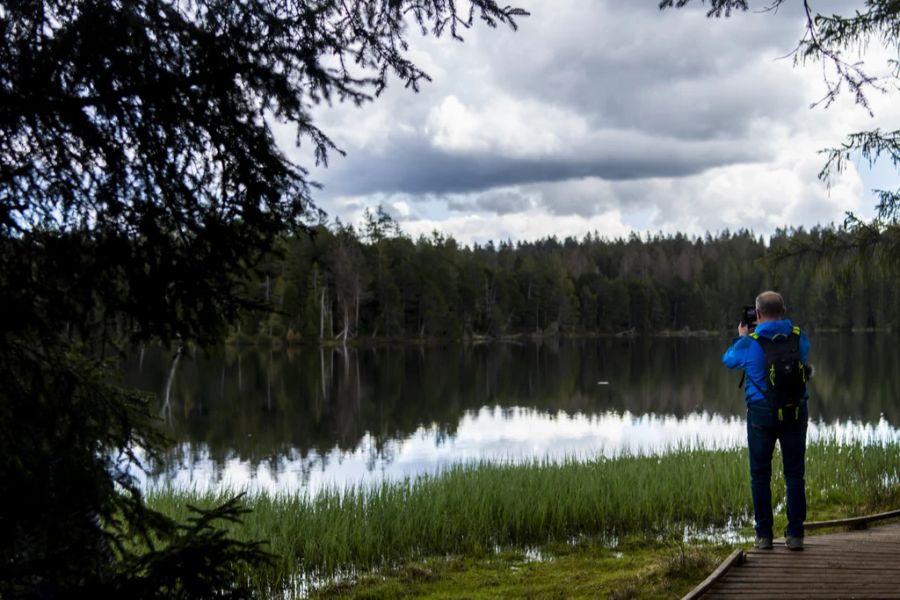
(492,434)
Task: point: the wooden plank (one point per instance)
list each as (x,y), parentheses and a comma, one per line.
(788,585)
(853,564)
(818,556)
(848,556)
(836,595)
(853,521)
(844,592)
(820,596)
(786,590)
(837,571)
(776,591)
(832,558)
(823,580)
(735,558)
(850,571)
(835,558)
(810,578)
(846,553)
(830,564)
(885,538)
(871,551)
(861,545)
(868,549)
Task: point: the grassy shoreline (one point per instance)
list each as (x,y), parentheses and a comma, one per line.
(471,511)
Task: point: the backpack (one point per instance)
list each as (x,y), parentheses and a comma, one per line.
(786,375)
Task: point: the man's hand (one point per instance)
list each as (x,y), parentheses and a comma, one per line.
(743,329)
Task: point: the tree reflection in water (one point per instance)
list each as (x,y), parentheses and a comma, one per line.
(308,416)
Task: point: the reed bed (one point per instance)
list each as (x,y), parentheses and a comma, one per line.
(474,508)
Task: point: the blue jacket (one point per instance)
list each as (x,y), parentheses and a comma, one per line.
(746,353)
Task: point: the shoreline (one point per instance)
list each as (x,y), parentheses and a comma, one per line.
(468,512)
(278,342)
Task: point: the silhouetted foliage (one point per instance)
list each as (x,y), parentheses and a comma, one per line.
(140,185)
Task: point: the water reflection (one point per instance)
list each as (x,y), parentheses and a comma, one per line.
(306,418)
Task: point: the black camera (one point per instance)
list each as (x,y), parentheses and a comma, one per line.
(748,317)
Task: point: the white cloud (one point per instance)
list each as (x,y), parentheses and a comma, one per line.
(606,116)
(402,208)
(526,225)
(507,126)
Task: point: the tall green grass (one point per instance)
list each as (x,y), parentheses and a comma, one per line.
(472,509)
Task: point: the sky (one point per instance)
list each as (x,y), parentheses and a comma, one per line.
(606,117)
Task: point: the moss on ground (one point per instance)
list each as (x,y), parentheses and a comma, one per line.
(583,570)
(635,569)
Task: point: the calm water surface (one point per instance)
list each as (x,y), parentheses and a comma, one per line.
(301,419)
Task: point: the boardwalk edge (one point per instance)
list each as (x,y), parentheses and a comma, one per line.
(853,521)
(735,558)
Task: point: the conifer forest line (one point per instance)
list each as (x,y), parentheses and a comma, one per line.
(374,282)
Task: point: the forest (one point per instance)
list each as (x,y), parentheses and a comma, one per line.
(336,282)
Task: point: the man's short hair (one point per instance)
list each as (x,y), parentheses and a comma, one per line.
(770,305)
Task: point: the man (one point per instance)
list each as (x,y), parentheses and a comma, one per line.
(769,418)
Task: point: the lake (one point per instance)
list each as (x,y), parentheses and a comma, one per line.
(298,419)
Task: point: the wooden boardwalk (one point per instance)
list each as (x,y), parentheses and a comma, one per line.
(849,564)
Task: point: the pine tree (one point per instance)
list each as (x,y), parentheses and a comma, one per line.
(140,184)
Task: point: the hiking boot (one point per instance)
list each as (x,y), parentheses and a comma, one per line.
(763,543)
(793,542)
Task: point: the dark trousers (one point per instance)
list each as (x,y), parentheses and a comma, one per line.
(763,430)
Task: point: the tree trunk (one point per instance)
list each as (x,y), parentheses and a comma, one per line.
(346,326)
(167,408)
(269,383)
(322,315)
(322,364)
(356,320)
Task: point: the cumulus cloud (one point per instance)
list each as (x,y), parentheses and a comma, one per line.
(506,127)
(606,116)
